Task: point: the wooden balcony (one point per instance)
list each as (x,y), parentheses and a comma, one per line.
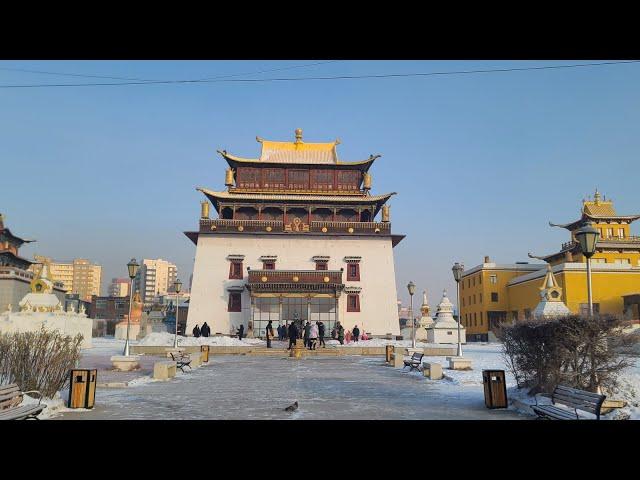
(295,280)
(278,226)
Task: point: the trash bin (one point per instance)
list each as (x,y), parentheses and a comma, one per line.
(82,388)
(205,353)
(495,388)
(388,350)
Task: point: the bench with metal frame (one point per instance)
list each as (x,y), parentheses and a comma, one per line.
(414,362)
(10,404)
(181,360)
(572,398)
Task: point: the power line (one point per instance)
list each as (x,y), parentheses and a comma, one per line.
(138,81)
(339,77)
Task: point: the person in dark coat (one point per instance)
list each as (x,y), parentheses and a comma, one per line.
(240,332)
(356,333)
(293,334)
(341,334)
(205,330)
(284,331)
(279,329)
(307,329)
(269,333)
(196,331)
(321,335)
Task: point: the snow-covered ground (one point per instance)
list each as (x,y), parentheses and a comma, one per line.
(166,339)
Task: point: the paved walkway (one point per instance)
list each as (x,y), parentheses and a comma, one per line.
(246,387)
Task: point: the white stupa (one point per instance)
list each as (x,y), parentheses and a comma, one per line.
(445,327)
(551,304)
(41,307)
(425,320)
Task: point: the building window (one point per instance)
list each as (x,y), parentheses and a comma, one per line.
(353,302)
(101,304)
(480,297)
(235,302)
(514,316)
(598,260)
(480,279)
(623,261)
(474,298)
(269,265)
(609,232)
(474,281)
(235,270)
(475,320)
(527,314)
(493,279)
(584,309)
(480,318)
(494,296)
(322,266)
(463,301)
(353,272)
(621,233)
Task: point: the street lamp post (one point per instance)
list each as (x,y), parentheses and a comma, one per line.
(458,269)
(132,266)
(412,289)
(587,236)
(178,286)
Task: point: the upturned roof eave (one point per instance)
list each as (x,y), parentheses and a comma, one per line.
(233,161)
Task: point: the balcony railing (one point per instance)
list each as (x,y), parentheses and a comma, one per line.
(224,225)
(320,277)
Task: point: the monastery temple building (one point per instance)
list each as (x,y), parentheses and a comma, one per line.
(295,239)
(492,293)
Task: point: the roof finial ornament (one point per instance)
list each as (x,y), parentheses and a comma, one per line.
(596,197)
(298,135)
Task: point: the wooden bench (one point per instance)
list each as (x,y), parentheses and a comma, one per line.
(414,362)
(572,398)
(181,360)
(10,399)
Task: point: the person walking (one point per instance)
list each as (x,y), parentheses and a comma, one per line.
(321,335)
(205,330)
(196,331)
(269,333)
(356,333)
(279,332)
(313,336)
(347,336)
(293,334)
(341,334)
(307,330)
(240,332)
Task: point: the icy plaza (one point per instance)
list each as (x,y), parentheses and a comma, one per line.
(349,387)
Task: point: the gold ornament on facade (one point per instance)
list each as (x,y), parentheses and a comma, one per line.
(204,209)
(377,230)
(366,184)
(295,279)
(385,213)
(263,279)
(326,279)
(296,225)
(240,228)
(268,229)
(213,227)
(324,229)
(228,178)
(350,230)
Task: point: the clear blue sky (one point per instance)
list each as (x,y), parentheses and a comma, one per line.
(480,162)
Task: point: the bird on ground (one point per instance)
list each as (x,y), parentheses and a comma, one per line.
(293,407)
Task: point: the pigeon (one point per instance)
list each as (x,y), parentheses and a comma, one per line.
(293,407)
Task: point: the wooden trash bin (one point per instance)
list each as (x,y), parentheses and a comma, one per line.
(82,388)
(205,353)
(388,350)
(495,388)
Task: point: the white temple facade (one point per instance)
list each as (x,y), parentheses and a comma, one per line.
(445,327)
(296,239)
(42,308)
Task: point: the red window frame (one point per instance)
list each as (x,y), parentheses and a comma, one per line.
(322,266)
(353,275)
(270,265)
(353,302)
(235,270)
(235,302)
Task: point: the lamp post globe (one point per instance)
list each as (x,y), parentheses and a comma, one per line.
(587,237)
(411,287)
(132,267)
(178,286)
(458,270)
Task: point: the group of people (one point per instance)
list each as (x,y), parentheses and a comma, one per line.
(205,331)
(339,334)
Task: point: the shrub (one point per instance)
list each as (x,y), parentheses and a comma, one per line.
(38,360)
(574,350)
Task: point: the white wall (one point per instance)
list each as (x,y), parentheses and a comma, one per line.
(209,296)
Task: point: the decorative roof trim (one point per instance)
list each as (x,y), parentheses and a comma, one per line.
(352,259)
(234,159)
(267,258)
(320,258)
(235,288)
(352,289)
(235,257)
(214,196)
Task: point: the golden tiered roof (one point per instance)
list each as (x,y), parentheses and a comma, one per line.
(296,152)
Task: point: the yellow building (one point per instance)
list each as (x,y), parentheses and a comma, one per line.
(491,293)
